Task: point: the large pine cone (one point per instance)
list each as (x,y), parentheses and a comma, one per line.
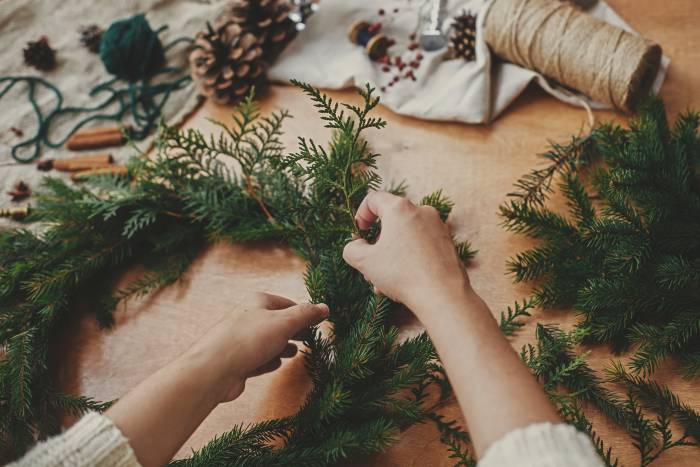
(226,62)
(267,19)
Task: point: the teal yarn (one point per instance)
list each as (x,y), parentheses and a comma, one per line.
(131,50)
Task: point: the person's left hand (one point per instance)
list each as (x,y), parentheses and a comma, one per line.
(253,342)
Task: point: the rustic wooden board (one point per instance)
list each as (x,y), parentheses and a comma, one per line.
(476,165)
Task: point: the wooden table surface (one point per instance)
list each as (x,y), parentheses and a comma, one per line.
(476,165)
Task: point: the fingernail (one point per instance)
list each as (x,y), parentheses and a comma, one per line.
(323,308)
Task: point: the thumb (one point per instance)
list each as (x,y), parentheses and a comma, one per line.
(355,252)
(305,315)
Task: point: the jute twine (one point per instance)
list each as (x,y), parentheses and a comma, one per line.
(562,42)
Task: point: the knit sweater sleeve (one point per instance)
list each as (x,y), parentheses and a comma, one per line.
(542,445)
(93,441)
(96,441)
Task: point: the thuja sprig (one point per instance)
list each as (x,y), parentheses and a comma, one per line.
(350,172)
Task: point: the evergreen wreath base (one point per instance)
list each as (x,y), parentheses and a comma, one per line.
(368,385)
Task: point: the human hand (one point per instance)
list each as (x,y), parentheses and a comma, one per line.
(253,342)
(173,401)
(414,260)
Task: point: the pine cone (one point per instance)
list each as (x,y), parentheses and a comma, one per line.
(267,19)
(91,36)
(226,62)
(39,54)
(463,39)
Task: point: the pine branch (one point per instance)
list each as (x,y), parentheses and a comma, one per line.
(570,411)
(510,322)
(631,265)
(440,202)
(534,188)
(456,440)
(657,397)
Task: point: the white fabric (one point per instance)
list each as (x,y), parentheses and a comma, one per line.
(542,445)
(92,442)
(472,92)
(96,441)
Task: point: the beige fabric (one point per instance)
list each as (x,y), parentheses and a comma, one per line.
(472,92)
(77,69)
(92,442)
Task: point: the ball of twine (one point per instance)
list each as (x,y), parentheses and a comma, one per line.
(559,41)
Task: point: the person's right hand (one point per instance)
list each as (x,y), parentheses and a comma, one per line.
(414,260)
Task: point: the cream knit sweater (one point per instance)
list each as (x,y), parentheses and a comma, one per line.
(95,441)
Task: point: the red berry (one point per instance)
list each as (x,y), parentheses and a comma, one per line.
(383,89)
(396,78)
(381,12)
(419,56)
(374,27)
(414,64)
(386,69)
(413,46)
(402,66)
(412,36)
(385,59)
(390,42)
(391,84)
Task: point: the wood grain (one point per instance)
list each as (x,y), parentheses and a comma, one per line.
(476,165)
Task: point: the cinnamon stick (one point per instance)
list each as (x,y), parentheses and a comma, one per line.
(114,169)
(93,139)
(91,161)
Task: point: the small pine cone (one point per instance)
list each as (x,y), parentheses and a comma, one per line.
(267,19)
(226,62)
(463,39)
(40,55)
(91,36)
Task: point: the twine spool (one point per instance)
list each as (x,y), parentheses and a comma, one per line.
(560,41)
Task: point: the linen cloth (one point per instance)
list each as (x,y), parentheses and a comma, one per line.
(457,90)
(78,70)
(96,442)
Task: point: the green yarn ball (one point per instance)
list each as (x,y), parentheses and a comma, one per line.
(131,50)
